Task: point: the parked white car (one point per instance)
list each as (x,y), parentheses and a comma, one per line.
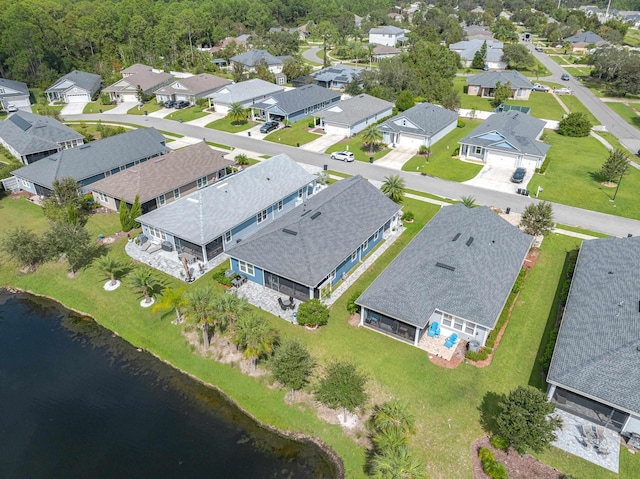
(563,91)
(539,87)
(343,156)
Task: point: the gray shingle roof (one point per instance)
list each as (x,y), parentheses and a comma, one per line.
(149,81)
(96,157)
(208,213)
(244,91)
(163,174)
(136,68)
(253,58)
(300,98)
(354,110)
(29,133)
(19,86)
(195,85)
(586,37)
(337,74)
(350,211)
(413,286)
(422,119)
(490,79)
(86,81)
(517,128)
(387,30)
(596,352)
(468,48)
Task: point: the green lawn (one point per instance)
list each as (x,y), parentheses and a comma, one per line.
(632,37)
(148,107)
(188,114)
(578,72)
(441,164)
(95,107)
(569,180)
(559,59)
(532,73)
(576,106)
(360,150)
(225,124)
(626,112)
(297,133)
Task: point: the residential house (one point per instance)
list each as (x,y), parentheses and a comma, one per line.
(29,137)
(388,35)
(142,76)
(335,78)
(247,93)
(467,50)
(594,370)
(509,139)
(296,104)
(74,87)
(91,162)
(300,32)
(211,220)
(241,41)
(192,88)
(307,251)
(582,41)
(380,52)
(249,60)
(477,32)
(484,84)
(458,271)
(349,117)
(423,124)
(162,180)
(13,93)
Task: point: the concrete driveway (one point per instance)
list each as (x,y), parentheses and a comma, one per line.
(161,113)
(255,132)
(73,108)
(322,143)
(397,157)
(498,178)
(122,108)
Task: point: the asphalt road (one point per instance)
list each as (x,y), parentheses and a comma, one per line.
(628,135)
(609,224)
(313,54)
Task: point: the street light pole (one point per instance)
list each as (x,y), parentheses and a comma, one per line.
(618,185)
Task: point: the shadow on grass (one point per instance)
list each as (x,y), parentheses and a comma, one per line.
(489,409)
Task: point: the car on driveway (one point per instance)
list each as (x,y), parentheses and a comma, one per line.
(539,87)
(269,126)
(563,91)
(12,108)
(182,104)
(518,175)
(343,156)
(565,77)
(169,104)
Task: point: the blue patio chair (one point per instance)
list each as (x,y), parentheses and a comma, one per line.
(451,340)
(434,330)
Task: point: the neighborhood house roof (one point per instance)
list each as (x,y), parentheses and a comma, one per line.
(355,109)
(194,85)
(208,213)
(598,347)
(297,99)
(163,174)
(386,30)
(468,48)
(29,133)
(309,242)
(385,50)
(490,79)
(136,68)
(147,80)
(20,87)
(94,158)
(509,131)
(244,91)
(253,58)
(586,37)
(423,119)
(87,81)
(464,262)
(336,74)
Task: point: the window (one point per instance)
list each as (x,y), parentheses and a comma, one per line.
(469,328)
(157,234)
(246,268)
(365,245)
(332,276)
(457,324)
(262,216)
(478,150)
(162,200)
(376,235)
(227,237)
(300,191)
(202,182)
(102,197)
(354,256)
(447,319)
(280,205)
(176,193)
(25,183)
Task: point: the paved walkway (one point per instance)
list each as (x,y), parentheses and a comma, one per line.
(583,236)
(182,142)
(73,108)
(397,157)
(121,109)
(161,113)
(321,144)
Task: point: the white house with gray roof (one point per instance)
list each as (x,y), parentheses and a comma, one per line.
(423,124)
(91,162)
(191,88)
(249,60)
(143,76)
(29,137)
(315,245)
(247,93)
(296,104)
(13,93)
(349,117)
(484,84)
(216,217)
(74,87)
(594,370)
(509,139)
(388,35)
(458,271)
(467,50)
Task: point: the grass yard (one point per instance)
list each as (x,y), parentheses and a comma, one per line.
(578,72)
(360,151)
(96,106)
(187,114)
(533,73)
(581,231)
(441,164)
(468,101)
(569,180)
(148,107)
(626,112)
(632,37)
(559,59)
(297,133)
(575,106)
(225,124)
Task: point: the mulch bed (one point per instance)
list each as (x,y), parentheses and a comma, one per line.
(518,467)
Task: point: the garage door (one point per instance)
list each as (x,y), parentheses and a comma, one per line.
(128,97)
(529,164)
(501,159)
(77,98)
(336,130)
(18,102)
(411,140)
(181,98)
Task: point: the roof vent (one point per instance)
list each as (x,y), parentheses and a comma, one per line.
(610,272)
(469,241)
(315,215)
(637,348)
(238,241)
(84,147)
(456,236)
(268,179)
(445,266)
(306,212)
(289,232)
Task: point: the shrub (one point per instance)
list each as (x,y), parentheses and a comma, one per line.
(220,277)
(542,170)
(517,285)
(500,442)
(203,102)
(313,313)
(456,151)
(242,159)
(105,99)
(481,355)
(423,150)
(461,124)
(495,469)
(352,307)
(408,216)
(486,454)
(545,359)
(575,124)
(504,316)
(311,124)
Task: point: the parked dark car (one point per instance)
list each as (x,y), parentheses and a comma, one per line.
(565,77)
(518,175)
(169,104)
(182,104)
(269,126)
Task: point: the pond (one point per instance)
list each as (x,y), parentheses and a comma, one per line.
(77,401)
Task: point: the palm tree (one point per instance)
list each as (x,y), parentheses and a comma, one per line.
(396,464)
(228,308)
(237,113)
(468,201)
(254,335)
(393,415)
(389,439)
(371,135)
(171,299)
(112,267)
(370,48)
(143,280)
(198,307)
(394,187)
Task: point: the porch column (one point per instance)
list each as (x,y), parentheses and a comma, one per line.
(204,254)
(363,311)
(310,293)
(417,337)
(551,391)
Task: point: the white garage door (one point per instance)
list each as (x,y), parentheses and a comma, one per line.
(181,98)
(17,102)
(128,97)
(501,159)
(336,130)
(224,109)
(77,98)
(411,140)
(529,164)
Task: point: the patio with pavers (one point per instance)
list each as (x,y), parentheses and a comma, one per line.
(435,346)
(267,300)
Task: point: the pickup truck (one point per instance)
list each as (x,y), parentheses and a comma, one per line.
(539,87)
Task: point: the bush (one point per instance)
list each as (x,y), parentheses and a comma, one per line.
(500,442)
(481,355)
(504,316)
(575,124)
(408,216)
(242,159)
(105,99)
(486,454)
(352,307)
(313,313)
(545,359)
(461,123)
(517,285)
(495,469)
(219,276)
(423,150)
(542,170)
(202,102)
(311,124)
(456,151)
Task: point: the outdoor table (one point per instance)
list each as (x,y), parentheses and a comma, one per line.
(286,302)
(189,257)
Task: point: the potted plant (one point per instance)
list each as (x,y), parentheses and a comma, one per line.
(312,314)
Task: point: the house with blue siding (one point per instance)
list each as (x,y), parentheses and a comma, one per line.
(91,162)
(209,221)
(421,125)
(295,104)
(314,246)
